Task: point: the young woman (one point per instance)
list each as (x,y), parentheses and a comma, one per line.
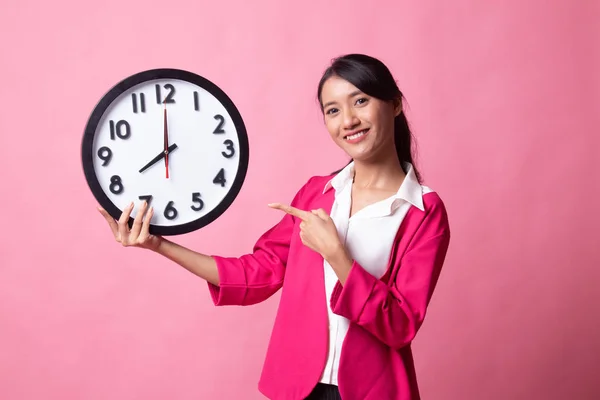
(357,253)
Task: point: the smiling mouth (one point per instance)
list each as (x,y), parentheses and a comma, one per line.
(356,135)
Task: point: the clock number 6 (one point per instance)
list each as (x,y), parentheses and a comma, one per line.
(170,211)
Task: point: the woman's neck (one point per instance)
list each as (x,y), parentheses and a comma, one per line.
(382,175)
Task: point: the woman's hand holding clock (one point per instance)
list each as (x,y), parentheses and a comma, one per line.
(139,234)
(199,264)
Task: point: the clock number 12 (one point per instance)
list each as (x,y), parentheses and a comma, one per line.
(169,98)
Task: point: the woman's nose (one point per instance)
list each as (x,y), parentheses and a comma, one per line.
(350,119)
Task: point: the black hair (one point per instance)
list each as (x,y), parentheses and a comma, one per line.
(373,78)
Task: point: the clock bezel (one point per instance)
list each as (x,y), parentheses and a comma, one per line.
(149,75)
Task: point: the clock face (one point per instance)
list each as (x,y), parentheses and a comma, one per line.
(169,137)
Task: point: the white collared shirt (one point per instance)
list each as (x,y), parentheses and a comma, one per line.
(368,236)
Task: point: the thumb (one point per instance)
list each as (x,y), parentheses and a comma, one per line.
(321,214)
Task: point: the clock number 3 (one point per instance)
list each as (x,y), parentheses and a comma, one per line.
(230,148)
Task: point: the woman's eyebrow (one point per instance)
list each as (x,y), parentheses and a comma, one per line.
(355,93)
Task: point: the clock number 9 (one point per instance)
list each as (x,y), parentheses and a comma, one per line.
(170,211)
(105,154)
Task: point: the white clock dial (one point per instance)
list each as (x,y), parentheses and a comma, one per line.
(199,175)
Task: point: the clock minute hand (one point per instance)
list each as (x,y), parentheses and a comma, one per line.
(159,157)
(166,141)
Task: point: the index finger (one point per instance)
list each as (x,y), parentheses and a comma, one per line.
(296,212)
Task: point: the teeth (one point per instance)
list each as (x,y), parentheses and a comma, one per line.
(356,135)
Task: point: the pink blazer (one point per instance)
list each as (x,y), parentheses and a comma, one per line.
(376,361)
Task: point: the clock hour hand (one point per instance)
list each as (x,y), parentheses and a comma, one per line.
(159,157)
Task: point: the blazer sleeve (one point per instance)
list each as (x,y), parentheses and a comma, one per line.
(256,276)
(393,312)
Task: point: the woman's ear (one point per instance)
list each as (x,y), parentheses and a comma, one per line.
(397,107)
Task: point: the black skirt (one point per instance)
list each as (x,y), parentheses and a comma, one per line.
(324,391)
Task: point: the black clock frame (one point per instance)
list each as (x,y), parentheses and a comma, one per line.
(141,77)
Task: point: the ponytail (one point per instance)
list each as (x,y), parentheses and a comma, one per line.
(403,140)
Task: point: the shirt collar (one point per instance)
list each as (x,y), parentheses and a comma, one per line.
(341,178)
(410,190)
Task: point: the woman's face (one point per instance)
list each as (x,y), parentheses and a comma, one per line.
(363,126)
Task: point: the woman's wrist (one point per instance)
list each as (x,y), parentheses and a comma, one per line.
(340,262)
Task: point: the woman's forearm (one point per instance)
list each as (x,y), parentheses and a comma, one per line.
(199,264)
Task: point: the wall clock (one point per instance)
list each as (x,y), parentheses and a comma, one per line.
(172,138)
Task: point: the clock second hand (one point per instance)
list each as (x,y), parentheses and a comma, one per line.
(166,141)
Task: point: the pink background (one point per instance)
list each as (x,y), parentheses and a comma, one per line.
(505,103)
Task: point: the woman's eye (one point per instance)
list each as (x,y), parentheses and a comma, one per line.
(331,111)
(362,100)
